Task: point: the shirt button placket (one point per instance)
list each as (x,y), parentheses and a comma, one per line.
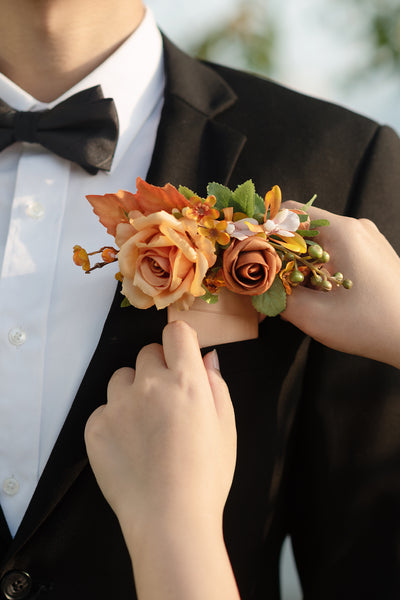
(17,336)
(35,210)
(10,486)
(29,264)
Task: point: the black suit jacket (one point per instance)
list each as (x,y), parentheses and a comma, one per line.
(318,431)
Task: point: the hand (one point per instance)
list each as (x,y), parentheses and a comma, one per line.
(164,447)
(366,319)
(163,451)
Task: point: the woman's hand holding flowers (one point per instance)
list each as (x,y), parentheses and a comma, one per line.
(365,322)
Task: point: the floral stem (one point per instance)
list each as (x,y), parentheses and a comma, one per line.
(297,257)
(99,265)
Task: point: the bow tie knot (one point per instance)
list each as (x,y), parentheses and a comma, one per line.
(25,126)
(83,128)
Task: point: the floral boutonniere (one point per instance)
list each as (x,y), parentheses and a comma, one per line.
(174,246)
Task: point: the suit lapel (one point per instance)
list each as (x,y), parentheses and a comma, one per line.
(192,148)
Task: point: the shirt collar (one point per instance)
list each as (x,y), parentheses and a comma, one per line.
(133,76)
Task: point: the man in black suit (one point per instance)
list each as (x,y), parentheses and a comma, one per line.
(318,449)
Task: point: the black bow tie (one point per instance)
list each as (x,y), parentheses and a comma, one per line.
(83,129)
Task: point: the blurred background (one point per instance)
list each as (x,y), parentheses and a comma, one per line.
(345,51)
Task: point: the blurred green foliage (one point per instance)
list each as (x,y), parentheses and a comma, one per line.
(377,24)
(249,37)
(382,27)
(246,40)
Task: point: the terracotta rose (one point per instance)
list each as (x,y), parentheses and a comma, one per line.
(250,266)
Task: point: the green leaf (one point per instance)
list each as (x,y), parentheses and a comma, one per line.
(319,223)
(243,197)
(259,204)
(209,297)
(307,232)
(125,303)
(309,203)
(303,218)
(273,301)
(185,191)
(222,194)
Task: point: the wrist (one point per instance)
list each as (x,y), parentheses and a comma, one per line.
(170,526)
(181,559)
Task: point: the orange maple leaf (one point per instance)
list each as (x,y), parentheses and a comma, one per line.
(113,209)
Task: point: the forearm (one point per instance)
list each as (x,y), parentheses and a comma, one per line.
(177,560)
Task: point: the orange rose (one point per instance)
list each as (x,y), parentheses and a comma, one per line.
(250,266)
(163,261)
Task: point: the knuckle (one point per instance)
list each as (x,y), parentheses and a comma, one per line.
(146,352)
(180,329)
(292,204)
(94,425)
(368,224)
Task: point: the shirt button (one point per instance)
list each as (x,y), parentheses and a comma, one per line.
(16,585)
(17,336)
(35,210)
(10,486)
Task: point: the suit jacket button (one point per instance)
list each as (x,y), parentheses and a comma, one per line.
(16,585)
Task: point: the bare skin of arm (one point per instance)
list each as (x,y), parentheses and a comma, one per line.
(163,450)
(366,319)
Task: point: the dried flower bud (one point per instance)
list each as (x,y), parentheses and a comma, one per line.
(80,258)
(109,255)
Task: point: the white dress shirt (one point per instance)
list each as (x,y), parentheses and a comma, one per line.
(51,313)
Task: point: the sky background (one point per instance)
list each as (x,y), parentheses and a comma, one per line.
(319,52)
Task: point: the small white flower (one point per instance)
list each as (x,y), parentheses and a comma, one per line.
(240,229)
(285,223)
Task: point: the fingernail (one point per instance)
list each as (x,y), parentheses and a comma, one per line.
(215,360)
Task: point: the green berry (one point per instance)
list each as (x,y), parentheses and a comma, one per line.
(315,251)
(326,285)
(296,277)
(347,284)
(339,277)
(289,256)
(316,279)
(325,257)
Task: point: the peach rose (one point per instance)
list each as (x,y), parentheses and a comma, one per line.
(250,266)
(163,260)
